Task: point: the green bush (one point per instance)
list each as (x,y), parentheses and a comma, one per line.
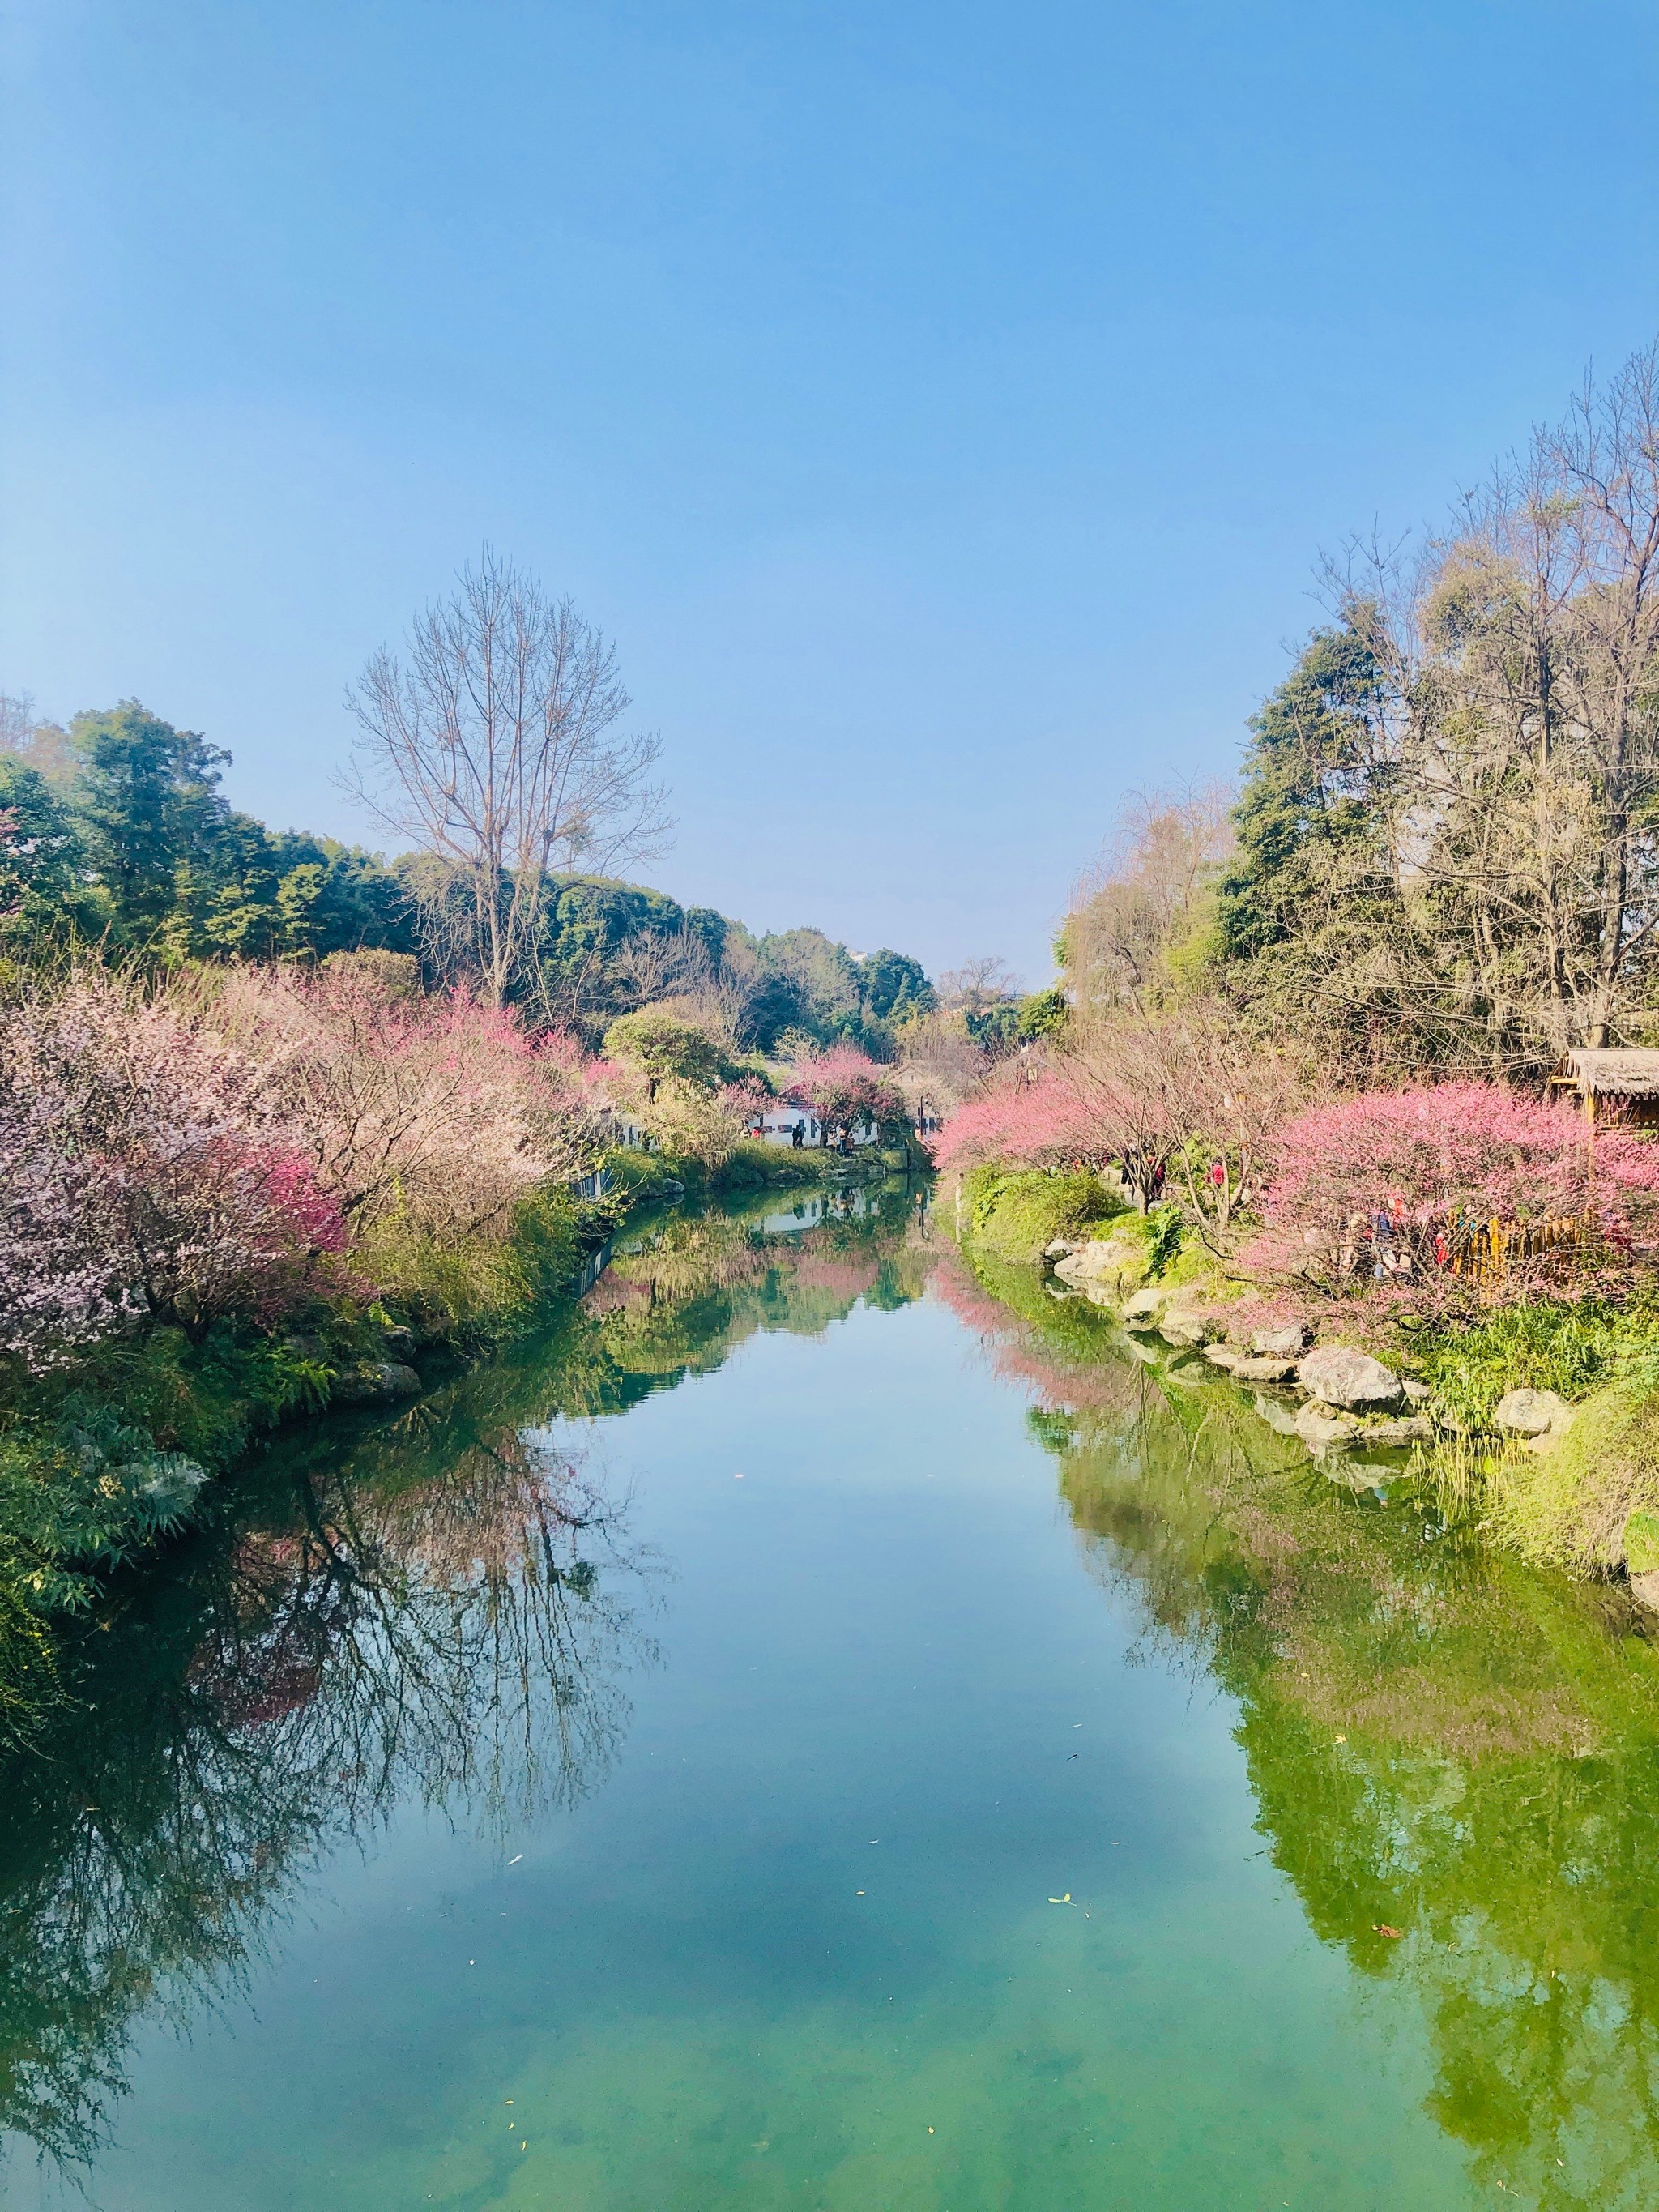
(1016,1215)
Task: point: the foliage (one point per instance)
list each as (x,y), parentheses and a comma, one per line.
(660,1047)
(43,893)
(894,987)
(1448,853)
(1140,925)
(1017,1215)
(1573,1347)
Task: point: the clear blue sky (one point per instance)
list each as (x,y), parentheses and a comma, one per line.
(942,406)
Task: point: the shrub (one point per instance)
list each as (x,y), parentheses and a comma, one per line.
(142,1174)
(1016,1214)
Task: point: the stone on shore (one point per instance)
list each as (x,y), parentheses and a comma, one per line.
(1532,1412)
(1264,1370)
(1337,1375)
(1322,1430)
(1286,1343)
(1219,1355)
(1182,1326)
(1116,1263)
(380,1384)
(1145,1308)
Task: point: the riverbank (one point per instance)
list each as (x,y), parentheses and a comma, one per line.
(1534,1422)
(109,1455)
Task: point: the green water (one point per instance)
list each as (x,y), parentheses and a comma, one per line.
(641,1778)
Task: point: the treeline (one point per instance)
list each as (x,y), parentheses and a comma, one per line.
(116,833)
(1443,853)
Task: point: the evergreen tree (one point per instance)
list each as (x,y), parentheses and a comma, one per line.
(1304,818)
(147,804)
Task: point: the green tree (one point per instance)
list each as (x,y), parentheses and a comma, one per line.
(896,986)
(1305,818)
(147,804)
(664,1048)
(42,867)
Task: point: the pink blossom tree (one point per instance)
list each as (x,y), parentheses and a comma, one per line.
(1404,1182)
(844,1085)
(146,1176)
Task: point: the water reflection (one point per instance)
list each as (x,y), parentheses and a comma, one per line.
(1456,1761)
(442,1606)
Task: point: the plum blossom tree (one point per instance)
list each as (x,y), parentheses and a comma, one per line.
(1414,1175)
(442,1109)
(146,1176)
(844,1085)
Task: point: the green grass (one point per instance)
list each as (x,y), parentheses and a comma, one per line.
(1015,1214)
(1542,1345)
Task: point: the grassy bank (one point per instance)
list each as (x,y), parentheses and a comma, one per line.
(1585,1497)
(103,1456)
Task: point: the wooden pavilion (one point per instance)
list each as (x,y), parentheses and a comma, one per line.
(1623,1079)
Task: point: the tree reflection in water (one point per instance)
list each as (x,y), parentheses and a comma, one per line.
(443,1607)
(1440,1741)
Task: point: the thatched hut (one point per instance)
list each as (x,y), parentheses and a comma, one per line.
(1622,1079)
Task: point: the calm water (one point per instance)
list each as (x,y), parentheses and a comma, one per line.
(803,1735)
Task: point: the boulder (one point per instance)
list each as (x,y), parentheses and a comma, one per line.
(1182,1326)
(1115,1262)
(1337,1375)
(400,1341)
(1145,1308)
(1531,1412)
(1264,1370)
(1417,1394)
(1218,1355)
(1286,1343)
(1644,1588)
(1060,1249)
(381,1382)
(1322,1430)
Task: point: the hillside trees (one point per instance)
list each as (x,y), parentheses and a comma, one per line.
(1449,826)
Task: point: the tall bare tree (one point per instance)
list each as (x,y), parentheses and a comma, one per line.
(493,744)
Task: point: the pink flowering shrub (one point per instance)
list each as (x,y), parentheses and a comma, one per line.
(441,1111)
(141,1173)
(1406,1184)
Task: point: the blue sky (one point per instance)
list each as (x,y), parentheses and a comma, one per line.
(942,407)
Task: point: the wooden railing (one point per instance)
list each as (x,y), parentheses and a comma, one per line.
(1489,1250)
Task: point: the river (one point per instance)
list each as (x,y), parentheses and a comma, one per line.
(808,1733)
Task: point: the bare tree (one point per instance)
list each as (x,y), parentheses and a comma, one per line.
(16,722)
(979,985)
(1144,899)
(491,743)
